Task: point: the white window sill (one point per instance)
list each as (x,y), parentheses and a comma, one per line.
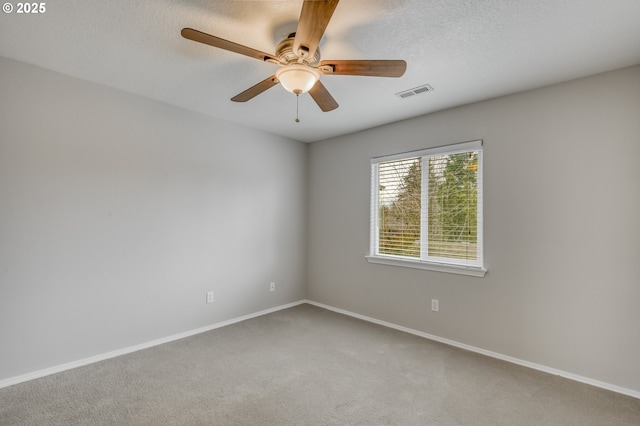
(474,271)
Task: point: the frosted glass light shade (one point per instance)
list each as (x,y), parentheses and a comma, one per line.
(297,78)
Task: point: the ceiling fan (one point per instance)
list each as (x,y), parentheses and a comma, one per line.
(299,58)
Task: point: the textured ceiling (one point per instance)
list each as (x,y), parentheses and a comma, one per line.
(466,50)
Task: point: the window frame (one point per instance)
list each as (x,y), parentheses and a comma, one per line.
(450,265)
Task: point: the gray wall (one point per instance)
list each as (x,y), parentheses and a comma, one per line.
(562,229)
(118,213)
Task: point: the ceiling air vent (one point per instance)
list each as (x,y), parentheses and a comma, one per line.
(415,91)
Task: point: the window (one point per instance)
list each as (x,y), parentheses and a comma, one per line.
(426,209)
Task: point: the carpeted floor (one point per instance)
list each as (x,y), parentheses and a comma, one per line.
(309,366)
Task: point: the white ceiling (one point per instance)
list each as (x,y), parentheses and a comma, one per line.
(467,50)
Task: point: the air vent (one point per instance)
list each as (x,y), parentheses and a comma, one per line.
(415,91)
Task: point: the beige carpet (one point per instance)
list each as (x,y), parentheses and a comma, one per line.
(309,366)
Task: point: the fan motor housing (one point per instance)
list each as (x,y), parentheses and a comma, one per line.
(284,52)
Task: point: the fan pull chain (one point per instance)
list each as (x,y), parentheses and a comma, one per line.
(297,107)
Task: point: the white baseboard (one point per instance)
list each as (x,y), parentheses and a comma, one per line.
(543,368)
(85,361)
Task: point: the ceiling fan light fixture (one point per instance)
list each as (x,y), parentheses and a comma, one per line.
(297,78)
(299,58)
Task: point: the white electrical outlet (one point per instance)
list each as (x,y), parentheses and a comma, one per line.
(272,286)
(435,305)
(210,298)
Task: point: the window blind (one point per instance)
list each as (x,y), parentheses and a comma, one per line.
(427,205)
(399,206)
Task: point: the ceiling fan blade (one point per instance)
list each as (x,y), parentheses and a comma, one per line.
(314,19)
(200,37)
(323,98)
(373,68)
(254,91)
